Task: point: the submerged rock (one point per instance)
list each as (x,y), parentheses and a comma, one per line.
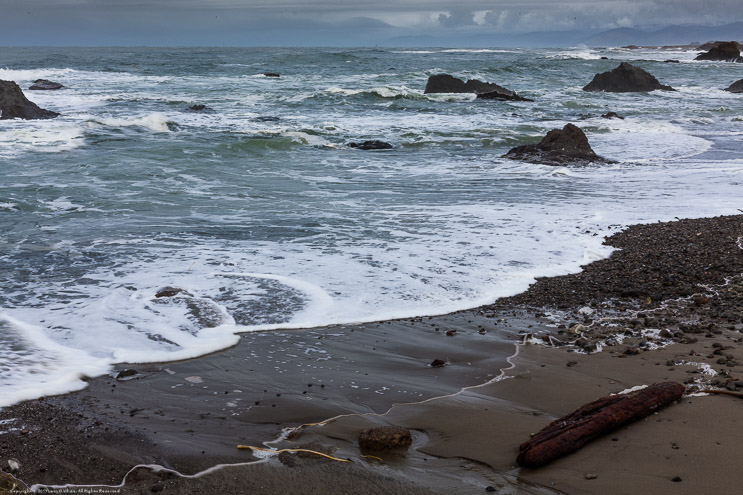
(199,108)
(725,51)
(499,95)
(625,79)
(558,147)
(127,374)
(445,83)
(371,145)
(736,87)
(612,115)
(168,292)
(15,105)
(45,85)
(385,438)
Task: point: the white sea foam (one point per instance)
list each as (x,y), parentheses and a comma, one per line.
(47,136)
(582,53)
(315,234)
(35,365)
(476,50)
(156,122)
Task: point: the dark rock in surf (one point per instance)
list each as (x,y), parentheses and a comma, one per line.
(726,51)
(272,74)
(385,438)
(445,83)
(127,374)
(438,363)
(612,115)
(672,61)
(45,85)
(371,145)
(199,108)
(568,145)
(267,118)
(14,105)
(168,292)
(499,95)
(736,87)
(625,79)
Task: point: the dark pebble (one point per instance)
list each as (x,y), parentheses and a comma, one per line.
(676,479)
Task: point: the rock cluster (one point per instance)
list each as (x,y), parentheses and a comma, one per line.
(725,51)
(558,147)
(14,105)
(445,83)
(625,79)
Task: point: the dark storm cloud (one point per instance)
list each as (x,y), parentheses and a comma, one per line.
(329,21)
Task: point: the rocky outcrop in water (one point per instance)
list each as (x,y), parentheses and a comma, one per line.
(445,83)
(500,95)
(371,145)
(724,51)
(272,74)
(568,145)
(625,79)
(736,87)
(45,85)
(200,108)
(14,105)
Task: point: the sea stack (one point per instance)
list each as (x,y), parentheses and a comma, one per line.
(625,79)
(446,83)
(723,51)
(15,105)
(568,145)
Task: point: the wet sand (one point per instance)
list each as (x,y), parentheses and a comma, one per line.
(666,307)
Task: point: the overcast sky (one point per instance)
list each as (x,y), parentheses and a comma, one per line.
(334,22)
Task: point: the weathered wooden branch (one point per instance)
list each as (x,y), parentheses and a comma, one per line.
(569,433)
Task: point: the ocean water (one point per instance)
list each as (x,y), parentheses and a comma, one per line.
(260,211)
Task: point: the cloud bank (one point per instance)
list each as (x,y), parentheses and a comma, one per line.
(331,22)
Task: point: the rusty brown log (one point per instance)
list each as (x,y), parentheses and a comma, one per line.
(569,433)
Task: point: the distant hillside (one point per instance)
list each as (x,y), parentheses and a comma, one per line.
(672,35)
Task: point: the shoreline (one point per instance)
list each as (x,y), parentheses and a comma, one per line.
(177,414)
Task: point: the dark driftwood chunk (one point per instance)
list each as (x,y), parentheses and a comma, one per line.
(569,433)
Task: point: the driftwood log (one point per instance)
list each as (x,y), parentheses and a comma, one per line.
(569,433)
